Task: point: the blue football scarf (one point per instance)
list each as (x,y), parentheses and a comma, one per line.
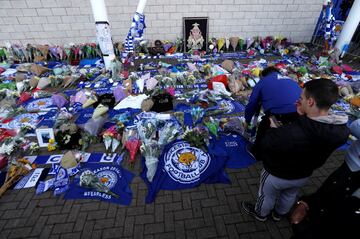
(235,147)
(182,166)
(31,179)
(61,181)
(88,158)
(135,32)
(117,180)
(329,26)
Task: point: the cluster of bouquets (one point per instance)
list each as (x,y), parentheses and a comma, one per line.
(16,144)
(152,145)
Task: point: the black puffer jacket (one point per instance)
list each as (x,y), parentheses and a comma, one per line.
(294,151)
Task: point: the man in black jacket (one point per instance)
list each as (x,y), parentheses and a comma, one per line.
(333,211)
(290,153)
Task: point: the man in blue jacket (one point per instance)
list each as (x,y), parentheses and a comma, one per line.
(277,96)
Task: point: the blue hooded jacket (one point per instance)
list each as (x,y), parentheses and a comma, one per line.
(276,94)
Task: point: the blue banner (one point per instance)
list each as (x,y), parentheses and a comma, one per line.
(114,177)
(87,157)
(182,166)
(235,147)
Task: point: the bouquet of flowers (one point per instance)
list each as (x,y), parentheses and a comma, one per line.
(132,143)
(17,143)
(8,146)
(212,125)
(34,148)
(151,152)
(112,138)
(6,133)
(197,137)
(89,179)
(178,44)
(17,169)
(196,114)
(169,132)
(41,94)
(62,118)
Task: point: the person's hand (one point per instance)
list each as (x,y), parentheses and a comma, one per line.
(274,123)
(246,126)
(299,212)
(299,109)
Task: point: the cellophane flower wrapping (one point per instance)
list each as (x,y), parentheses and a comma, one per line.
(94,126)
(179,115)
(16,170)
(108,136)
(168,133)
(16,144)
(147,129)
(114,144)
(151,152)
(87,139)
(213,126)
(62,118)
(197,113)
(132,143)
(234,125)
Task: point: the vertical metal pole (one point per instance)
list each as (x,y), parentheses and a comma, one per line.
(349,28)
(103,33)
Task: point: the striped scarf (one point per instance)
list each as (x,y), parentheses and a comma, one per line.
(136,31)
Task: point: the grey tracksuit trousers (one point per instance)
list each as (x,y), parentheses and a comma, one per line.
(277,193)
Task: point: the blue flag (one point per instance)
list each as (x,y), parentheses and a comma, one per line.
(182,166)
(114,177)
(235,147)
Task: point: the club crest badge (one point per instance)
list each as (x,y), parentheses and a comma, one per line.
(28,118)
(227,105)
(39,104)
(184,163)
(108,176)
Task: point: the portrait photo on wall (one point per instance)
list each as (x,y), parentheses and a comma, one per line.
(195,33)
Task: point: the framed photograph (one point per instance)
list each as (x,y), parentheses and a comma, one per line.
(44,135)
(195,33)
